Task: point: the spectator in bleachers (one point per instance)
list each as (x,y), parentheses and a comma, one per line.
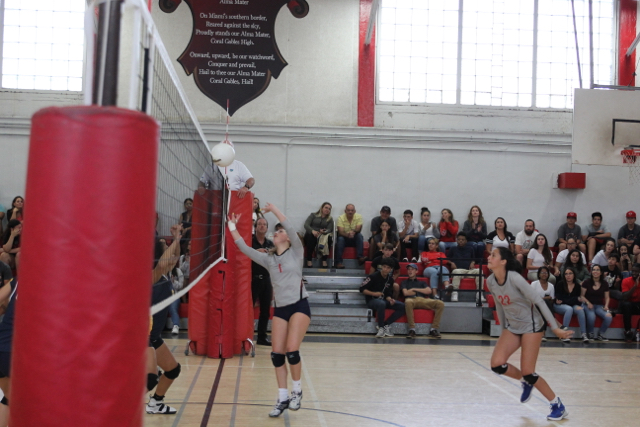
(539,255)
(448,228)
(385,235)
(387,252)
(575,261)
(257,213)
(626,261)
(408,234)
(349,234)
(426,229)
(629,232)
(611,274)
(570,245)
(385,215)
(544,287)
(11,243)
(500,237)
(525,240)
(595,300)
(461,260)
(432,267)
(475,228)
(602,257)
(570,230)
(378,289)
(318,224)
(177,281)
(630,302)
(415,297)
(597,232)
(16,210)
(185,262)
(185,218)
(568,302)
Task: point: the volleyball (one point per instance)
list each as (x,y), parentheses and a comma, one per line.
(223,153)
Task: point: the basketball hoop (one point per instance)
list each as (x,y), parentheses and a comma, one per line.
(629,156)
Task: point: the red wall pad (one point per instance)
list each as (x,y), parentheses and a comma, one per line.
(572,180)
(366,69)
(85,272)
(627,64)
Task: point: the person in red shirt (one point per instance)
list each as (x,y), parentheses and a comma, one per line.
(448,230)
(432,267)
(630,303)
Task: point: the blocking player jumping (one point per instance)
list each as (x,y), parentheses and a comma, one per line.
(522,313)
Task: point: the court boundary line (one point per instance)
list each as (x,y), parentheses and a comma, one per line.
(232,421)
(212,395)
(187,395)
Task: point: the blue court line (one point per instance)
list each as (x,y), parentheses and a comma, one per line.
(501,377)
(212,395)
(321,410)
(186,396)
(232,422)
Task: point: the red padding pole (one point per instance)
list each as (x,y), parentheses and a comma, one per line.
(242,272)
(82,316)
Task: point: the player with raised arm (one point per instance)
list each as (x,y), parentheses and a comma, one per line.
(522,313)
(292,314)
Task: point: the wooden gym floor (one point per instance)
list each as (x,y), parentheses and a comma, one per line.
(355,380)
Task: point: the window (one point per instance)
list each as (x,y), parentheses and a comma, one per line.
(510,53)
(43,44)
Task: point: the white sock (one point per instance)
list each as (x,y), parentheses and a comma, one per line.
(297,385)
(283,394)
(554,401)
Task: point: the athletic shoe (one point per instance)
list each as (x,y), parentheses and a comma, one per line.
(380,333)
(435,296)
(279,409)
(175,330)
(558,411)
(585,338)
(411,335)
(566,340)
(628,336)
(526,392)
(544,339)
(158,407)
(600,337)
(405,260)
(591,337)
(454,297)
(564,328)
(414,259)
(294,400)
(637,336)
(387,331)
(434,334)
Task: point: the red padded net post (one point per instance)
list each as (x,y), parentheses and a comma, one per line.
(82,316)
(242,273)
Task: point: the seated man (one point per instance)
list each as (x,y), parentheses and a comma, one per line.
(630,302)
(629,232)
(415,293)
(385,214)
(408,233)
(349,234)
(570,245)
(462,262)
(611,273)
(387,252)
(378,290)
(570,230)
(596,234)
(525,240)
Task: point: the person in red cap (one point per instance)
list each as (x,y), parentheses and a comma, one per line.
(629,232)
(570,230)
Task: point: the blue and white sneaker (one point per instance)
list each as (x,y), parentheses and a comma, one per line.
(294,400)
(558,411)
(526,392)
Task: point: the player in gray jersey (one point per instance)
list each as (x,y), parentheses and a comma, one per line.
(292,315)
(522,313)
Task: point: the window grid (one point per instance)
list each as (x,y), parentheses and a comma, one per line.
(508,56)
(43,44)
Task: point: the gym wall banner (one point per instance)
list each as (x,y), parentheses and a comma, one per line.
(233,53)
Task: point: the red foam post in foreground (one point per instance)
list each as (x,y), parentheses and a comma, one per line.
(82,315)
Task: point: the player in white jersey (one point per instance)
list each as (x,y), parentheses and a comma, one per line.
(522,313)
(291,316)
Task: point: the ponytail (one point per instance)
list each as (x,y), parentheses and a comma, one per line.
(512,263)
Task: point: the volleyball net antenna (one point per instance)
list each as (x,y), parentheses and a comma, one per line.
(148,82)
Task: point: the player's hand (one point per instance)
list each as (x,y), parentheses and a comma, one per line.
(268,208)
(176,231)
(562,334)
(234,218)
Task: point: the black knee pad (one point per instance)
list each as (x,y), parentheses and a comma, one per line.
(500,370)
(156,342)
(531,378)
(152,381)
(4,401)
(173,374)
(293,357)
(277,359)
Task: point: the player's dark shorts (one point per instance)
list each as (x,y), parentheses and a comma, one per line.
(302,306)
(5,363)
(160,292)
